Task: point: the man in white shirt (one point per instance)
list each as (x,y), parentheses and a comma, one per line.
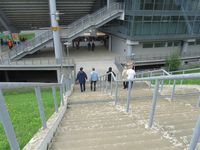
(131,75)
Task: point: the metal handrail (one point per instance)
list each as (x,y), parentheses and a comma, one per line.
(91,19)
(40,61)
(152,73)
(72,29)
(120,59)
(184,71)
(157,80)
(170,77)
(65,85)
(27,46)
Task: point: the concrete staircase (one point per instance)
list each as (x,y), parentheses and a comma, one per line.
(174,120)
(91,123)
(72,31)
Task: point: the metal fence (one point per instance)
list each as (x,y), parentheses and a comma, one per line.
(92,19)
(26,46)
(64,86)
(153,57)
(40,61)
(73,29)
(113,89)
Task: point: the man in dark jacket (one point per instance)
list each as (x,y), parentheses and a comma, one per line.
(109,78)
(81,77)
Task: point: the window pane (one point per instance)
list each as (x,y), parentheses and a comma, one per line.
(169,44)
(159,44)
(147,45)
(176,43)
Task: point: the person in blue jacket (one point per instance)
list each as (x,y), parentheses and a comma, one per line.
(81,78)
(93,79)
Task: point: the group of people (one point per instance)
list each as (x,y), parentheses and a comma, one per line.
(10,43)
(82,77)
(127,74)
(91,46)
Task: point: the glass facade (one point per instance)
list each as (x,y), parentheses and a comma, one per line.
(164,18)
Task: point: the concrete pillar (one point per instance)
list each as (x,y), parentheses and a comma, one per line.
(0,47)
(184,48)
(130,44)
(6,76)
(58,75)
(110,43)
(109,2)
(56,35)
(129,50)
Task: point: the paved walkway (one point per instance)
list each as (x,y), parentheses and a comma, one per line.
(100,59)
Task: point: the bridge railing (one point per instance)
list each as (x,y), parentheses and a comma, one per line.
(26,46)
(91,19)
(185,71)
(40,61)
(153,57)
(64,86)
(72,29)
(113,87)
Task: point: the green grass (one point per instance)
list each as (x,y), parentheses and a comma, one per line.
(184,81)
(23,110)
(27,36)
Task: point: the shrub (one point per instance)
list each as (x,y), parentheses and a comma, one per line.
(173,62)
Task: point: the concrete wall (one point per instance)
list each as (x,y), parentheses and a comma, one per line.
(119,46)
(163,51)
(193,49)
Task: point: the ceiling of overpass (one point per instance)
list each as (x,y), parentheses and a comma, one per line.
(34,14)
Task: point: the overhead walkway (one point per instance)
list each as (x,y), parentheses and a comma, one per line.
(37,64)
(72,31)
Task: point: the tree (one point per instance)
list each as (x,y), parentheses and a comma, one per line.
(173,62)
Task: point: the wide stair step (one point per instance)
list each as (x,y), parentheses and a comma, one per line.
(175,119)
(101,126)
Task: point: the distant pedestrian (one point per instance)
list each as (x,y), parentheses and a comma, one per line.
(89,46)
(1,41)
(131,74)
(93,79)
(10,44)
(124,76)
(81,78)
(93,46)
(109,78)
